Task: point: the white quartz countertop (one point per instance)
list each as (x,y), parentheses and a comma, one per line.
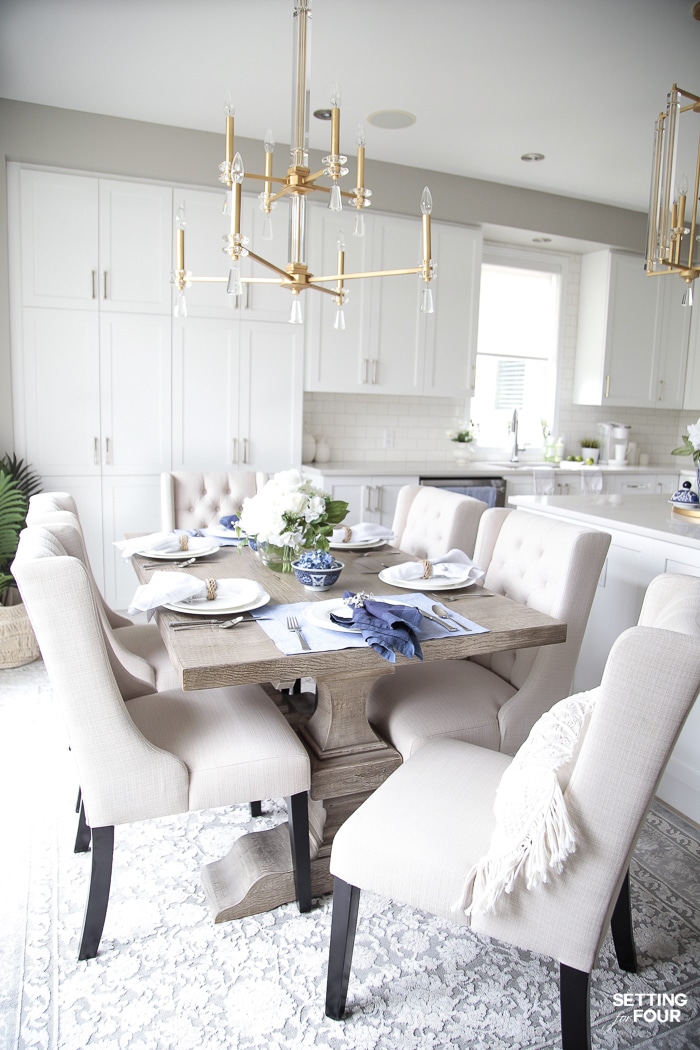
(642,514)
(471,469)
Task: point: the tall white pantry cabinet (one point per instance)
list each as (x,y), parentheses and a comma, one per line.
(108,389)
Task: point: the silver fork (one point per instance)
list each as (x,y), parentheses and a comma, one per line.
(293,625)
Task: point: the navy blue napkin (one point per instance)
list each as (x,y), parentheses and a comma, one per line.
(388,629)
(228,521)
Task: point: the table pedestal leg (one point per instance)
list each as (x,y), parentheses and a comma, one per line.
(348,761)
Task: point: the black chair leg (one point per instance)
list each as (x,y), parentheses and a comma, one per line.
(574,1000)
(79,799)
(622,931)
(298,821)
(346,900)
(256,809)
(98,894)
(82,838)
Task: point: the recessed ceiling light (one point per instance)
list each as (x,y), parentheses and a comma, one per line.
(322,114)
(391,118)
(541,240)
(532,156)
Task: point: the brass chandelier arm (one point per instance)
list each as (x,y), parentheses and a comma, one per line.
(270,266)
(365,273)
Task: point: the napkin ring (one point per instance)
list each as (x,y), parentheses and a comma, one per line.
(184,542)
(348,534)
(211,589)
(427,569)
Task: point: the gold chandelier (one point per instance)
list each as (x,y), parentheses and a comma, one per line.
(297,185)
(673,244)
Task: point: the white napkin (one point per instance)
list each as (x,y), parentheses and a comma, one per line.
(177,587)
(161,543)
(454,565)
(362,533)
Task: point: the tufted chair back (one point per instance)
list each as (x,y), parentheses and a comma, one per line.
(195,500)
(428,522)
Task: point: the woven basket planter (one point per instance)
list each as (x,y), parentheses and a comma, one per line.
(18,644)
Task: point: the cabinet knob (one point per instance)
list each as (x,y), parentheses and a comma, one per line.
(93,279)
(245,450)
(96,451)
(108,452)
(234,459)
(365,373)
(104,285)
(607,386)
(375,364)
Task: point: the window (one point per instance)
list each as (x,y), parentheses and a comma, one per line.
(517,346)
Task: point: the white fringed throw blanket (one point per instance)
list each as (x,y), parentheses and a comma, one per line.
(533,834)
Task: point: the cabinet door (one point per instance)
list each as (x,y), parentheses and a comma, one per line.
(205,394)
(266,302)
(59,215)
(691,398)
(449,336)
(135,254)
(205,227)
(129,505)
(334,359)
(386,493)
(135,393)
(61,373)
(270,396)
(630,353)
(392,360)
(671,336)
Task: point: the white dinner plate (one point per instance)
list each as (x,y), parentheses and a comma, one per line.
(363,545)
(433,583)
(252,599)
(198,548)
(319,613)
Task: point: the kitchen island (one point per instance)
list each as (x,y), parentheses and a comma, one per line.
(649,537)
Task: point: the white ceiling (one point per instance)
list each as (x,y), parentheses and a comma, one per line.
(581,81)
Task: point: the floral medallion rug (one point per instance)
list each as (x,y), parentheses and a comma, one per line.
(167,978)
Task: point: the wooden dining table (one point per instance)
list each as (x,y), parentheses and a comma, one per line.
(348,759)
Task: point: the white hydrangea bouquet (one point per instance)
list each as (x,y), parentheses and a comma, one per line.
(290,513)
(691,444)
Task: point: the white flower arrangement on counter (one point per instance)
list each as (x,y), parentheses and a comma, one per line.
(691,444)
(290,511)
(464,434)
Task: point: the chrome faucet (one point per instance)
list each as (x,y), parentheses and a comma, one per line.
(513,429)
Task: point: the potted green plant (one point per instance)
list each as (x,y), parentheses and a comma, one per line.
(590,449)
(17,483)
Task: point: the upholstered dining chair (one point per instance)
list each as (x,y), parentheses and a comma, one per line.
(591,765)
(429,521)
(494,700)
(158,754)
(195,499)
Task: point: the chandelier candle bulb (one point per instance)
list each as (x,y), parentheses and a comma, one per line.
(360,159)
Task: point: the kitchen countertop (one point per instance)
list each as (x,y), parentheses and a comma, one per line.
(473,468)
(648,515)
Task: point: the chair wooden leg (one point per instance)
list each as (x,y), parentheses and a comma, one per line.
(574,1000)
(98,894)
(346,900)
(256,809)
(622,931)
(82,838)
(298,820)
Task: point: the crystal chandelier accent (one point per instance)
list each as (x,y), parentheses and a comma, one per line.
(297,185)
(673,240)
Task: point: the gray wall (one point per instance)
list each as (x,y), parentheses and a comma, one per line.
(107,145)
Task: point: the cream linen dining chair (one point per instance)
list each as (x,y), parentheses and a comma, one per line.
(429,522)
(404,843)
(494,700)
(196,499)
(157,754)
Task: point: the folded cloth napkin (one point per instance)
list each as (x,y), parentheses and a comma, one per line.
(163,543)
(177,587)
(388,629)
(455,565)
(228,521)
(361,533)
(225,532)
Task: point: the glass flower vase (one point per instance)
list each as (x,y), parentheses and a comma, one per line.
(278,559)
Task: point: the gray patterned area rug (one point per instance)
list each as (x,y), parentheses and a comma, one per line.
(167,978)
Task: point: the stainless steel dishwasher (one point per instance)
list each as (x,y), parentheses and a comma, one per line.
(491,490)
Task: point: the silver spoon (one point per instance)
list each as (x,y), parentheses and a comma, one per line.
(444,615)
(163,564)
(459,597)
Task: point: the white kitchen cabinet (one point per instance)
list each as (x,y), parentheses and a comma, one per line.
(205,229)
(633,335)
(237,391)
(388,346)
(370,497)
(691,399)
(94,244)
(96,392)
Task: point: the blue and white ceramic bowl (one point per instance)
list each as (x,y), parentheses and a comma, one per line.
(317,578)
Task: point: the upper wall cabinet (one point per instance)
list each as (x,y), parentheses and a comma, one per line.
(95,244)
(632,335)
(205,229)
(387,346)
(692,380)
